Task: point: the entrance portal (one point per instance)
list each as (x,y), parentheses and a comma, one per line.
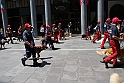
(117,11)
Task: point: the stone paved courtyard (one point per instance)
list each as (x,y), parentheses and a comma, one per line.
(74,61)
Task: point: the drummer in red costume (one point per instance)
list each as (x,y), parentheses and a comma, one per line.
(106,34)
(97,32)
(88,32)
(114,41)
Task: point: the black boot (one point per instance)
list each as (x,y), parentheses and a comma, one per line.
(23,61)
(106,63)
(53,47)
(35,63)
(90,38)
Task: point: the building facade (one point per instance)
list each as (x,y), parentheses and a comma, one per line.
(18,12)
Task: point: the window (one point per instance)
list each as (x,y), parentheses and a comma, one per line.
(8,5)
(24,3)
(14,4)
(65,1)
(39,2)
(11,4)
(60,1)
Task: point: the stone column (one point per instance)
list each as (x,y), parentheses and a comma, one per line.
(33,16)
(47,12)
(100,13)
(83,18)
(4,17)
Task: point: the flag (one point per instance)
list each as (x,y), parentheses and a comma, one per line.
(2,9)
(87,2)
(84,1)
(80,2)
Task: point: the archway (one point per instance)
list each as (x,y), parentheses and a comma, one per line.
(118,11)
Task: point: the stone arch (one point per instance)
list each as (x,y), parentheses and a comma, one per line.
(117,10)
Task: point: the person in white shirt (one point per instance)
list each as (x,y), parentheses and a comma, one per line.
(42,31)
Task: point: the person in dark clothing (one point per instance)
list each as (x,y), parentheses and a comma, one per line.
(29,45)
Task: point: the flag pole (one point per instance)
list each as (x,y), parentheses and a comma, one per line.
(4,16)
(83,18)
(3,23)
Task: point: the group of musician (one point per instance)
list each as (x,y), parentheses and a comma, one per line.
(114,32)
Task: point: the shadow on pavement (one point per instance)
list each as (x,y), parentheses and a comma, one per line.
(60,43)
(56,48)
(41,58)
(46,58)
(119,65)
(16,43)
(44,63)
(53,49)
(39,64)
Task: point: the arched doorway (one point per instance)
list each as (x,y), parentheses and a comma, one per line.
(118,11)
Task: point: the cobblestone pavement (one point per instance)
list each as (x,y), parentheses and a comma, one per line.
(74,61)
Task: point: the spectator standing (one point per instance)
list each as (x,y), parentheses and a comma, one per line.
(60,31)
(20,38)
(122,27)
(42,31)
(119,26)
(70,27)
